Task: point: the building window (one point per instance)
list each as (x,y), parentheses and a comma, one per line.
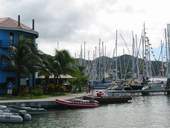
(11,37)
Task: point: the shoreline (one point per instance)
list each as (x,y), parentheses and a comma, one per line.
(48,103)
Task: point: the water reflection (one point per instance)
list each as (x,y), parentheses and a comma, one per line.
(149,112)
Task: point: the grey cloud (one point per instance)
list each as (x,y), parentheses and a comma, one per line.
(56,19)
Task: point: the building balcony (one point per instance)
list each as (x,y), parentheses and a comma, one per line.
(4,45)
(5,67)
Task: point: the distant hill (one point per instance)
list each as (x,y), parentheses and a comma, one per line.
(106,65)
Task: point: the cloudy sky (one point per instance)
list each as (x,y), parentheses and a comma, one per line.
(71,22)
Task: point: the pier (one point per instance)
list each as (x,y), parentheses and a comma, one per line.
(140,91)
(48,103)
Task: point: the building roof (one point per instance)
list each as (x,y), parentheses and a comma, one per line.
(8,23)
(66,76)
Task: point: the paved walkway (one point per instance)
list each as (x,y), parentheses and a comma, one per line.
(69,96)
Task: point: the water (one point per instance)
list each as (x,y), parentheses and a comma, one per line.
(143,112)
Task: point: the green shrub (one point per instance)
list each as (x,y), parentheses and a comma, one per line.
(51,88)
(38,91)
(59,88)
(3,85)
(24,90)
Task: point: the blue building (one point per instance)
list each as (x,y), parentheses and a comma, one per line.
(10,31)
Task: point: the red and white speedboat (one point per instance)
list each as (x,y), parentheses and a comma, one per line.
(78,103)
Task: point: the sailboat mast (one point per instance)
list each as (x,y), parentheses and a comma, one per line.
(84,53)
(143,49)
(81,54)
(146,51)
(88,63)
(116,53)
(58,43)
(124,65)
(103,63)
(99,66)
(149,57)
(166,50)
(133,56)
(168,76)
(96,62)
(137,60)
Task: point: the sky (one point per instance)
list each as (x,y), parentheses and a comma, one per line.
(71,22)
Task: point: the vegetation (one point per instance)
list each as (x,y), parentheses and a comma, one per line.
(80,81)
(63,64)
(26,60)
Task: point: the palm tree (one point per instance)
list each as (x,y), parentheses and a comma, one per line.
(63,63)
(80,78)
(46,68)
(24,59)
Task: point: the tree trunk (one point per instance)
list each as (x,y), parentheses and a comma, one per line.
(33,80)
(18,83)
(45,86)
(57,80)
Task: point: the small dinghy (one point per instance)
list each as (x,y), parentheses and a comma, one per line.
(6,117)
(78,103)
(3,107)
(31,110)
(23,113)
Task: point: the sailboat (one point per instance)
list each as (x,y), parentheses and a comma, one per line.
(159,82)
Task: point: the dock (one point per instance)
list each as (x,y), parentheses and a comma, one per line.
(48,103)
(140,91)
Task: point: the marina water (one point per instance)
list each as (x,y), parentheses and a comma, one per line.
(142,112)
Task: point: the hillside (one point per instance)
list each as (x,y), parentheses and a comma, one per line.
(107,66)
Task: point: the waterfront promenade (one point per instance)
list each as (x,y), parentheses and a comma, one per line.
(43,102)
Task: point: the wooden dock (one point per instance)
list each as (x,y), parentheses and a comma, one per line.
(139,91)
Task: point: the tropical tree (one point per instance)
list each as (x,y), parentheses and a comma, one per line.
(80,80)
(24,59)
(62,63)
(46,68)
